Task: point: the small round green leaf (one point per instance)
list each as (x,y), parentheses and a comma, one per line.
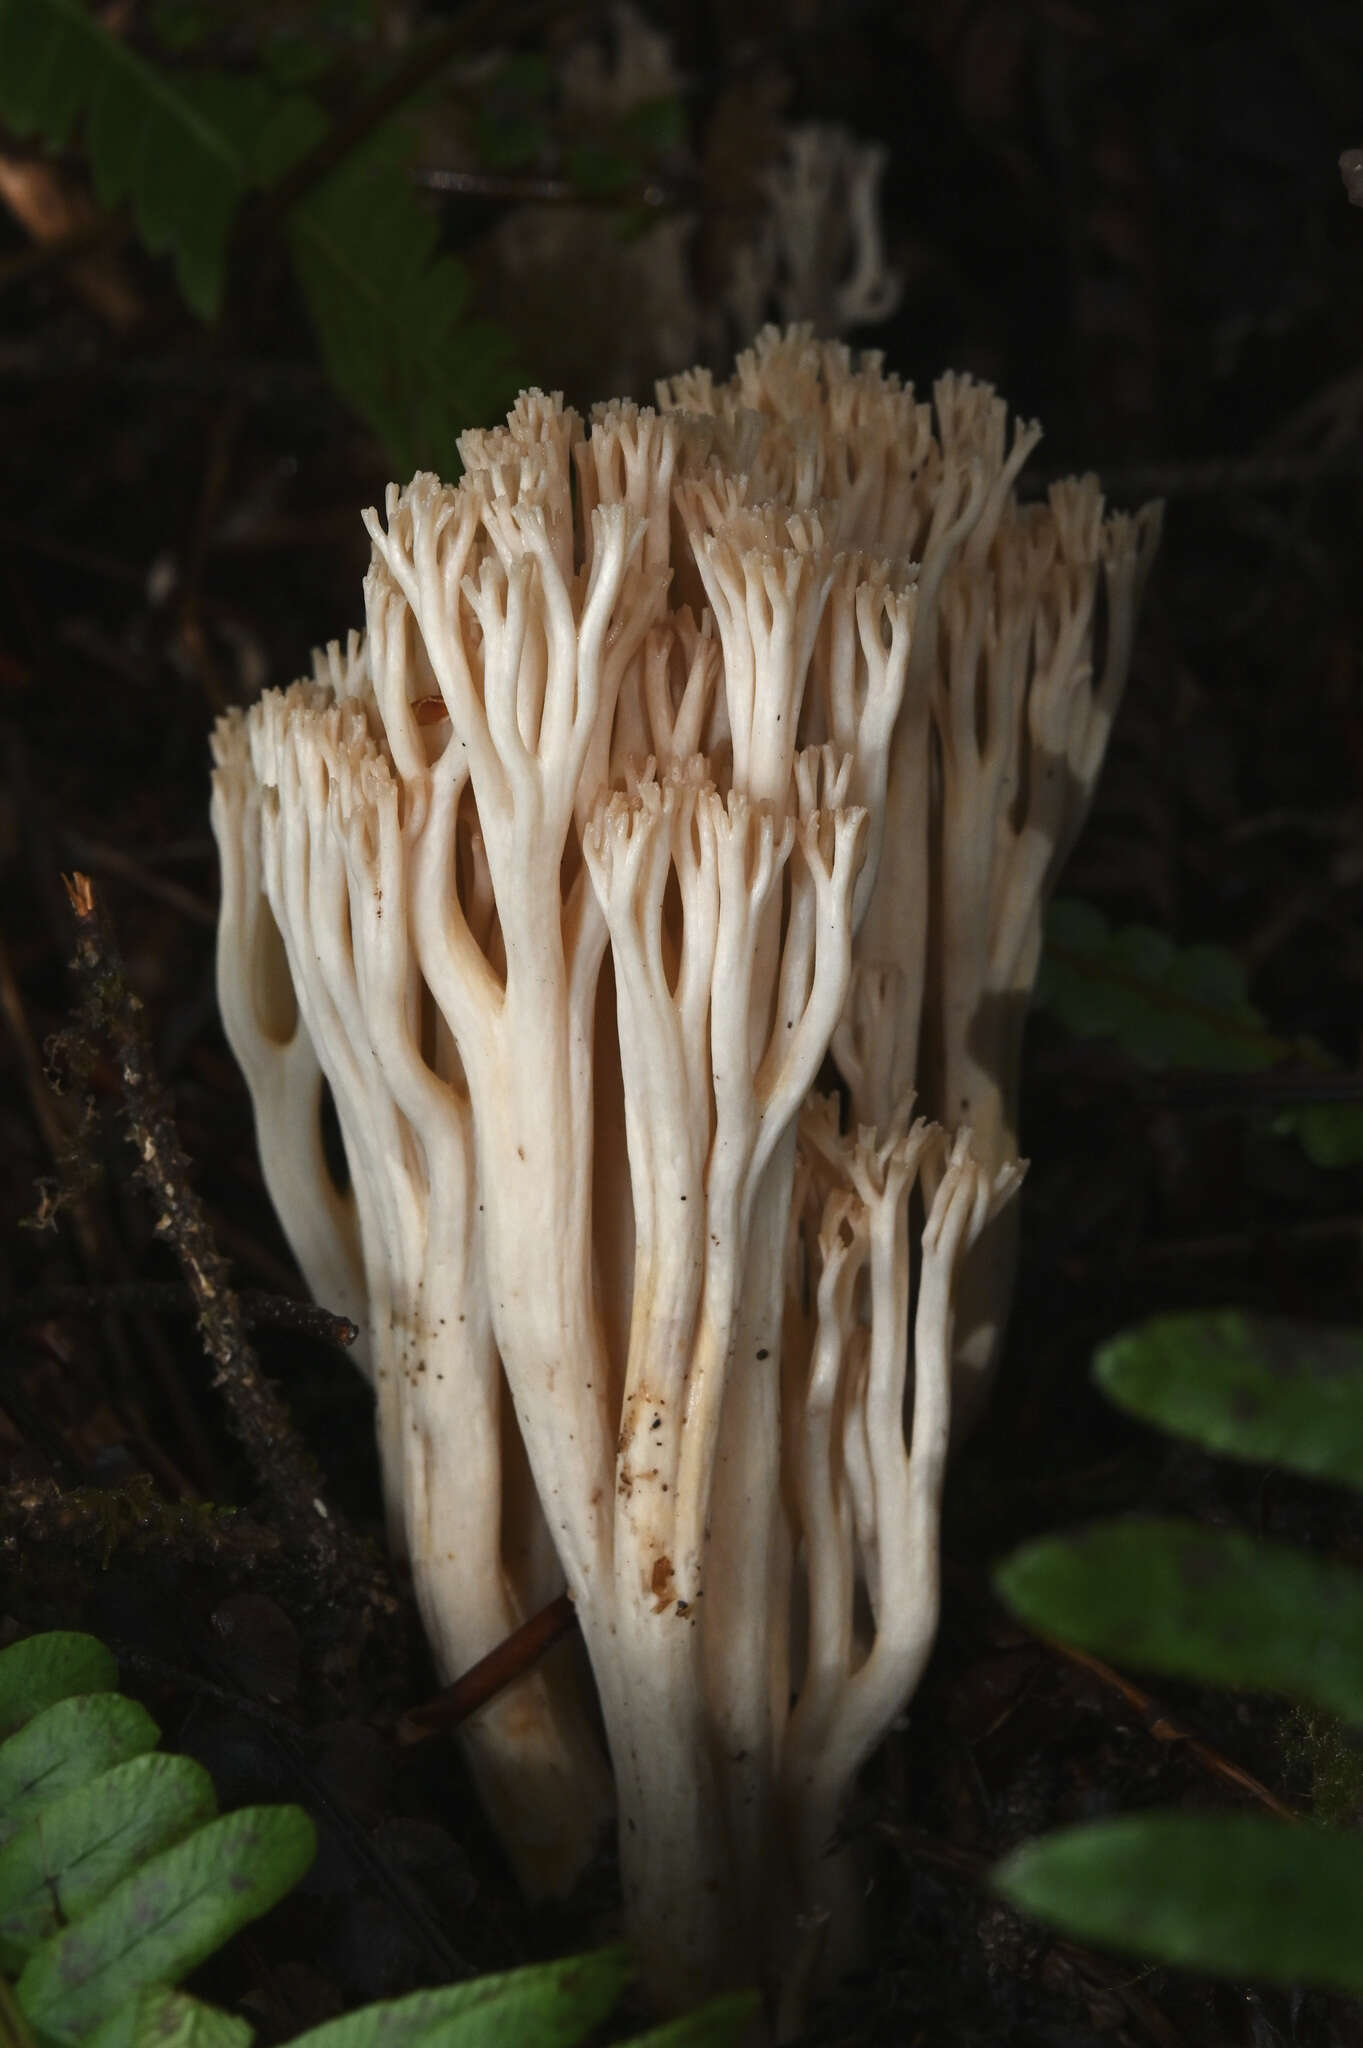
(160,1922)
(1210,1604)
(548,2005)
(43,1669)
(1165,1008)
(1329,1133)
(1255,1387)
(161,2018)
(722,2023)
(80,1846)
(1234,1895)
(65,1746)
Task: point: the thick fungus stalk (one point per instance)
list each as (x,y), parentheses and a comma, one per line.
(680,753)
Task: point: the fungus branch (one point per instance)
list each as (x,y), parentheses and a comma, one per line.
(631,806)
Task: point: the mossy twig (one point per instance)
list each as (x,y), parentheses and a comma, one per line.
(99,1520)
(347,1572)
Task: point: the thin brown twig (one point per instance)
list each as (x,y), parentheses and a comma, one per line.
(45,1112)
(516,188)
(347,1572)
(70,1196)
(1093,1972)
(417,69)
(111,860)
(1165,1729)
(491,1674)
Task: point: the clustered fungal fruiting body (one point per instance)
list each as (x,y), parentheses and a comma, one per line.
(678,753)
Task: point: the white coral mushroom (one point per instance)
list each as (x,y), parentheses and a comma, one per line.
(565,881)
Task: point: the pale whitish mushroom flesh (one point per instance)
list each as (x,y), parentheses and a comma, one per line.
(682,752)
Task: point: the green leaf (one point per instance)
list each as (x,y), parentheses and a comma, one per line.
(161,2018)
(78,1847)
(185,149)
(1329,1133)
(1166,1007)
(1273,1391)
(1187,1008)
(548,2005)
(172,148)
(721,2023)
(390,315)
(43,1669)
(65,1746)
(292,125)
(1211,1604)
(1235,1895)
(162,1921)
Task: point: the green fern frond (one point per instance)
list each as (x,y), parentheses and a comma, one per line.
(176,150)
(391,315)
(1166,1006)
(1188,1008)
(185,149)
(117,1876)
(1239,1895)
